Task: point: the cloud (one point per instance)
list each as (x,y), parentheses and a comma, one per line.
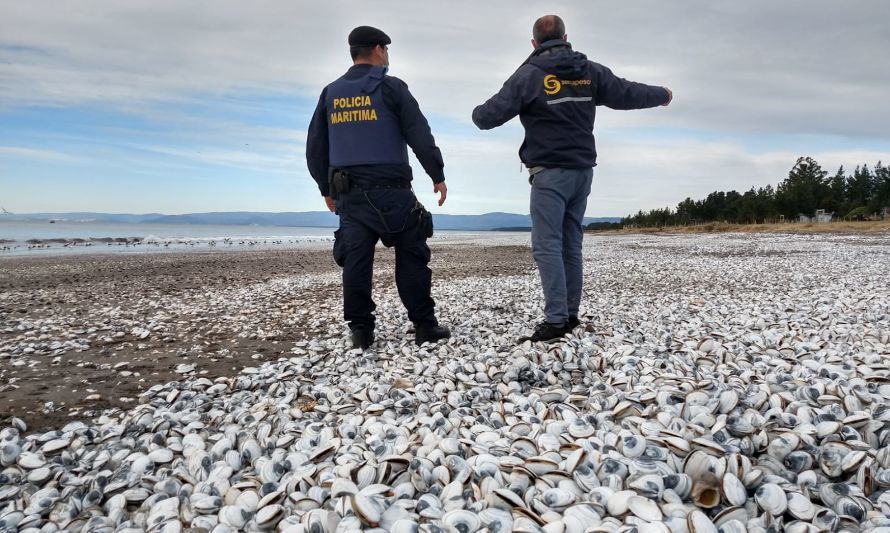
(652,174)
(35,153)
(190,77)
(797,66)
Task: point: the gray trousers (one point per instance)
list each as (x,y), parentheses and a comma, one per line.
(558,202)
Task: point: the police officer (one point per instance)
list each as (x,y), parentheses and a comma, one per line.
(555,93)
(357,153)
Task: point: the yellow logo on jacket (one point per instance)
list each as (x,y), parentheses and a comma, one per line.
(551,84)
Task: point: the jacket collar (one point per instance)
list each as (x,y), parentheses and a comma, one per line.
(547,47)
(363,69)
(372,74)
(554,43)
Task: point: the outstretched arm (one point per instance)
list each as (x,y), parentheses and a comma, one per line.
(504,105)
(619,93)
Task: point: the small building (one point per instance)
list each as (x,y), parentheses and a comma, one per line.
(820,217)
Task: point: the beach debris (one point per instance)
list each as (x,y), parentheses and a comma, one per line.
(710,410)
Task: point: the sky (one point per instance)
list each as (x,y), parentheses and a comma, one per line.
(193,106)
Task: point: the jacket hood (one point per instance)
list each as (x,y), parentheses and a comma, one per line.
(558,58)
(374,75)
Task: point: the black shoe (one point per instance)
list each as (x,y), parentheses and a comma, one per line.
(362,337)
(545,331)
(431,334)
(573,322)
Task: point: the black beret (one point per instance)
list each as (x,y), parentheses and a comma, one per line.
(368,36)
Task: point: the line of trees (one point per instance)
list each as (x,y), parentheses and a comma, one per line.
(857,196)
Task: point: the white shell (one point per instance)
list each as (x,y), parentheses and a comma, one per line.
(644,508)
(734,491)
(771,498)
(800,506)
(618,503)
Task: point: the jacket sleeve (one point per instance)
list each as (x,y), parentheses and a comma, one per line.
(317,155)
(507,103)
(415,128)
(618,93)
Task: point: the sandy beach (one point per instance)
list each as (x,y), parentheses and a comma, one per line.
(83,333)
(108,327)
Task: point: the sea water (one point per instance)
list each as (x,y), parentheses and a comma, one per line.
(63,237)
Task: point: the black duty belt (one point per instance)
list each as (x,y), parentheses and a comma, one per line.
(383,185)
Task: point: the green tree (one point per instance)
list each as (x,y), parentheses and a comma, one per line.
(882,187)
(766,204)
(687,212)
(731,207)
(806,189)
(746,208)
(859,187)
(802,190)
(835,193)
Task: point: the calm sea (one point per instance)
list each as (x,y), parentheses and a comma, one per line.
(63,237)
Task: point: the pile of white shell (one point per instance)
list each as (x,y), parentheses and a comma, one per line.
(719,384)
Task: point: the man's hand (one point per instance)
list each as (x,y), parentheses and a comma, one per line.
(332,206)
(442,190)
(670,96)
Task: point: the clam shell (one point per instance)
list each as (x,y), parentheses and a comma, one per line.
(800,506)
(234,516)
(55,445)
(558,498)
(706,492)
(30,460)
(771,498)
(270,515)
(644,508)
(462,520)
(734,492)
(698,522)
(730,514)
(618,503)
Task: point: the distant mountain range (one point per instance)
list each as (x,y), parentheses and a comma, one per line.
(318,219)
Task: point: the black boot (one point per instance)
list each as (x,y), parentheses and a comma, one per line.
(545,331)
(430,334)
(362,337)
(573,322)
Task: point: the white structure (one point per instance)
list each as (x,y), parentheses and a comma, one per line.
(820,217)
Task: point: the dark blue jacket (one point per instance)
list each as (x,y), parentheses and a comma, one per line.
(413,127)
(362,129)
(555,93)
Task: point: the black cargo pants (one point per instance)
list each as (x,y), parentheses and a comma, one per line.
(384,214)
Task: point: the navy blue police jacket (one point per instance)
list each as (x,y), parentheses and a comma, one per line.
(555,93)
(363,123)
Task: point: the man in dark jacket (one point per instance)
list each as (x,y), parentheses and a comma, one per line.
(357,152)
(555,93)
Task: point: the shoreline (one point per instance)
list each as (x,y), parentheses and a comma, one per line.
(75,246)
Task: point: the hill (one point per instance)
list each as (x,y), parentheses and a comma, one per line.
(322,219)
